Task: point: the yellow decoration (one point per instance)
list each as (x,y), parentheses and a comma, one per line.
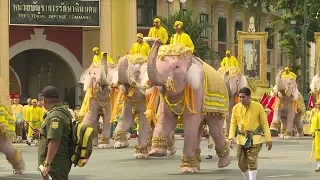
(137,58)
(139,35)
(117,102)
(228,52)
(151,107)
(289,76)
(173,50)
(233,71)
(55,125)
(7,122)
(131,92)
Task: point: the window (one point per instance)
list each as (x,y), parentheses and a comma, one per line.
(222,29)
(146,10)
(204,19)
(237,27)
(270,40)
(268,56)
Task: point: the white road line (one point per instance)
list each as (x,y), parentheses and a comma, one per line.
(285,175)
(127,162)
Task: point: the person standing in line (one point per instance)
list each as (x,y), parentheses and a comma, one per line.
(34,117)
(315,132)
(17,114)
(249,121)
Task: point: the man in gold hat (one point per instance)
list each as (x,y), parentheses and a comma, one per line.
(34,117)
(315,132)
(158,31)
(140,47)
(98,57)
(181,37)
(288,74)
(229,60)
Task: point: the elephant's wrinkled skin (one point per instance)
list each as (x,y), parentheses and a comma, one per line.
(182,70)
(97,85)
(315,84)
(287,92)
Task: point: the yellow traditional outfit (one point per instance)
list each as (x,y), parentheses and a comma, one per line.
(287,74)
(7,122)
(34,117)
(249,123)
(229,61)
(17,110)
(142,48)
(160,33)
(182,38)
(315,131)
(98,57)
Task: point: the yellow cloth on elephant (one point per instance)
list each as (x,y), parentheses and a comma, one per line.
(216,97)
(315,130)
(173,50)
(289,75)
(137,58)
(229,62)
(233,71)
(7,123)
(34,117)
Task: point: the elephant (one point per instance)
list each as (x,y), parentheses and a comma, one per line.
(235,81)
(315,84)
(7,132)
(187,91)
(288,108)
(99,84)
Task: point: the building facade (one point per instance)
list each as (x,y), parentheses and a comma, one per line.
(43,55)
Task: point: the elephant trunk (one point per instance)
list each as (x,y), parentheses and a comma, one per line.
(279,81)
(155,76)
(123,71)
(104,71)
(226,82)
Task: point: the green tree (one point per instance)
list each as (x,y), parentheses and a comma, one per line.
(194,28)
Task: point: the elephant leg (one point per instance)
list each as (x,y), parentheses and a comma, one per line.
(149,141)
(104,141)
(13,155)
(171,143)
(297,122)
(125,123)
(274,126)
(289,125)
(283,126)
(141,149)
(190,158)
(166,122)
(215,124)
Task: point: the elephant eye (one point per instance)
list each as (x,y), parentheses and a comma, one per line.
(177,66)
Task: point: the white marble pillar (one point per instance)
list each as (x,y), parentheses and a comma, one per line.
(4,41)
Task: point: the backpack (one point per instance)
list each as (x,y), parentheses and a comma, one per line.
(82,136)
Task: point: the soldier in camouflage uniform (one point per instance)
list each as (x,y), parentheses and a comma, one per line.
(55,146)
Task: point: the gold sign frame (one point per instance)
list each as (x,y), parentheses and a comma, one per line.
(259,39)
(317,50)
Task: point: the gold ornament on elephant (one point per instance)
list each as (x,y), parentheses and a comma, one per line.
(223,151)
(104,140)
(151,107)
(159,142)
(120,136)
(140,149)
(190,162)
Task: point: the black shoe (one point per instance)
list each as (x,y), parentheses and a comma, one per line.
(209,157)
(29,143)
(317,170)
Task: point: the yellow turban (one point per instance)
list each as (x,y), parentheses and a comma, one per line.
(156,20)
(95,49)
(287,69)
(228,52)
(140,35)
(34,101)
(179,24)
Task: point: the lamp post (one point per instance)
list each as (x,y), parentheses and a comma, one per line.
(305,28)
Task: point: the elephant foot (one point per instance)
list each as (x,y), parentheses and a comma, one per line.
(121,144)
(287,137)
(172,150)
(158,152)
(140,152)
(17,162)
(274,126)
(140,156)
(300,132)
(104,146)
(281,136)
(224,156)
(189,164)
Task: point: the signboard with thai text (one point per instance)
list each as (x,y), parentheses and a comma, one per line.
(76,13)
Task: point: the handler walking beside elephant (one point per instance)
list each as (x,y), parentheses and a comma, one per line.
(315,132)
(251,120)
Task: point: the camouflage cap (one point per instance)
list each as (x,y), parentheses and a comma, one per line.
(50,92)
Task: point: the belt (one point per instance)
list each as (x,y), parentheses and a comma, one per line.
(249,135)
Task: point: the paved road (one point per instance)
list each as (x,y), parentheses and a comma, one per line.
(288,160)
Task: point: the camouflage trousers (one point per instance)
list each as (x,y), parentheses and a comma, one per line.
(248,157)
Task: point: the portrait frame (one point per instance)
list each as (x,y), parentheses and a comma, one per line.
(317,50)
(258,43)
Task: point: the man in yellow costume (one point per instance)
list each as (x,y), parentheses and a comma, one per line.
(288,74)
(140,47)
(229,60)
(181,37)
(315,132)
(98,57)
(34,117)
(17,115)
(249,121)
(158,31)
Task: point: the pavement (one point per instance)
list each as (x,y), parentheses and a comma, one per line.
(288,160)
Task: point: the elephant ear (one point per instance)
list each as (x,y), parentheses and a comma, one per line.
(88,81)
(295,94)
(243,82)
(194,76)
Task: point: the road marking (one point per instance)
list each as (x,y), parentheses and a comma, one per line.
(127,162)
(285,175)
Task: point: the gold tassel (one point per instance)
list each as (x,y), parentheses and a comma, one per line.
(131,92)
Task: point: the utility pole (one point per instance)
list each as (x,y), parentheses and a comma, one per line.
(304,67)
